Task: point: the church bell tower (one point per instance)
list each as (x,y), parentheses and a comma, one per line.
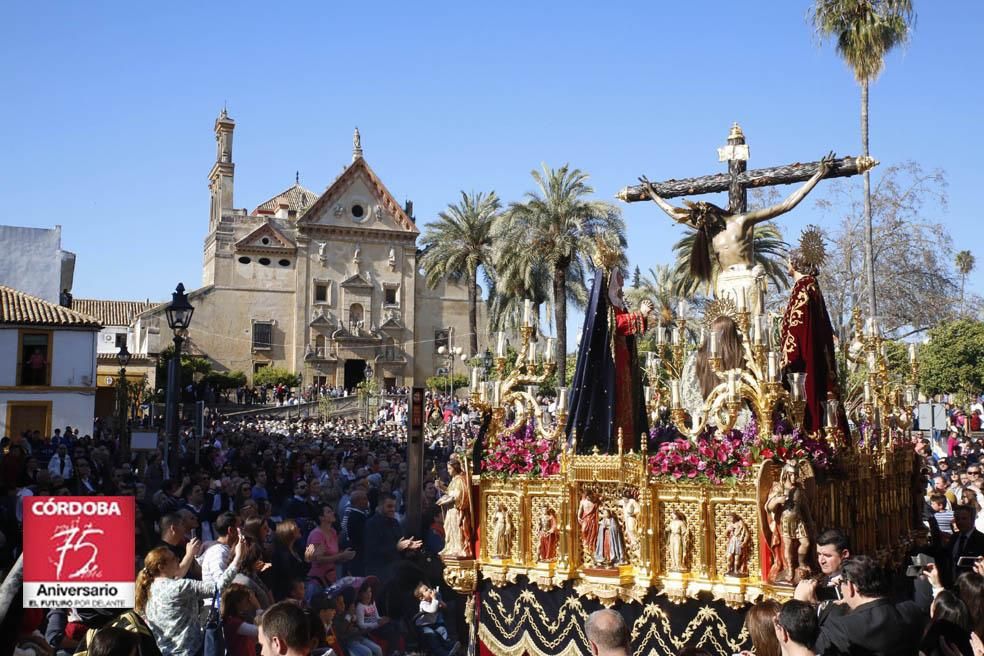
(220,178)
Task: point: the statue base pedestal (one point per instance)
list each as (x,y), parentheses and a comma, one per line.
(741,285)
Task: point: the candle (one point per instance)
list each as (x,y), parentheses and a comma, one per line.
(676,336)
(794,386)
(474,379)
(832,413)
(713,345)
(682,310)
(496,394)
(675,394)
(531,354)
(562,399)
(765,330)
(659,335)
(483,392)
(872,360)
(527,312)
(500,344)
(732,385)
(773,366)
(867,392)
(756,331)
(912,353)
(741,297)
(648,394)
(549,354)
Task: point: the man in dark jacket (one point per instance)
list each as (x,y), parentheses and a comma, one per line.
(384,540)
(354,533)
(966,543)
(868,622)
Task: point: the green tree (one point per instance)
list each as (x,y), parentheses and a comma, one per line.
(276,376)
(457,244)
(636,277)
(558,225)
(440,383)
(225,380)
(767,244)
(950,362)
(865,31)
(965,262)
(190,365)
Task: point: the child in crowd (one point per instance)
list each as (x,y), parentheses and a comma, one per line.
(431,623)
(353,639)
(368,619)
(239,624)
(326,606)
(296,592)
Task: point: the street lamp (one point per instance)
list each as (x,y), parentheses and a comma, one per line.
(368,387)
(179,314)
(123,357)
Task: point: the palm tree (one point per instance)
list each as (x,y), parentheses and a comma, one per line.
(965,264)
(656,286)
(557,226)
(865,32)
(767,244)
(457,244)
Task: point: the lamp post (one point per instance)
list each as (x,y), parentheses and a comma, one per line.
(368,386)
(179,314)
(123,357)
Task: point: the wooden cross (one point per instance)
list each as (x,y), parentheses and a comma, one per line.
(738,180)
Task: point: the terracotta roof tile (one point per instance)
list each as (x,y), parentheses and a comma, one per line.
(111,313)
(297,198)
(19,308)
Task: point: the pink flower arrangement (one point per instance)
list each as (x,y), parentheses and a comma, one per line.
(711,458)
(522,453)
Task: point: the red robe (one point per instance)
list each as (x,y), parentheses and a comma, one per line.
(626,373)
(807,346)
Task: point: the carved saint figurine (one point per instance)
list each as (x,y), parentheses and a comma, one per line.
(500,543)
(789,512)
(739,544)
(587,519)
(548,534)
(630,518)
(678,538)
(457,516)
(608,546)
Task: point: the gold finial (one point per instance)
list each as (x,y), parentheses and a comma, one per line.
(866,163)
(736,132)
(643,444)
(619,440)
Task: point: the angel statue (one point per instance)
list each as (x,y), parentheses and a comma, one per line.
(457,516)
(791,525)
(630,518)
(608,547)
(678,541)
(502,529)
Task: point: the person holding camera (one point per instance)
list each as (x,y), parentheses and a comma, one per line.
(865,620)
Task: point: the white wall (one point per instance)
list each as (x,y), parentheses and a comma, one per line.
(32,261)
(8,356)
(108,345)
(75,409)
(73,358)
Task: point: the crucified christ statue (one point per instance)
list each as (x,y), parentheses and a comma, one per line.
(729,235)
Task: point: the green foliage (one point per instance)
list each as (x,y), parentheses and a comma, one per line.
(950,363)
(440,383)
(864,31)
(275,376)
(224,380)
(190,365)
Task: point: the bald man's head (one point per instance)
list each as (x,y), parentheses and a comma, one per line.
(607,633)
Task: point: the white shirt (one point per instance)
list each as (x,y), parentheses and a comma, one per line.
(215,561)
(55,467)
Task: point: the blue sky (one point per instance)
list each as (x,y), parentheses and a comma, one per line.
(107,112)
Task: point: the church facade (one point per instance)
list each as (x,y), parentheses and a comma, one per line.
(324,284)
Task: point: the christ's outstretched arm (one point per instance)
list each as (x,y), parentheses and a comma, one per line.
(678,214)
(766,213)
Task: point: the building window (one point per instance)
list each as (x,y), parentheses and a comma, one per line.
(244,260)
(358,211)
(441,338)
(390,295)
(320,292)
(265,261)
(262,336)
(120,340)
(284,263)
(35,359)
(259,365)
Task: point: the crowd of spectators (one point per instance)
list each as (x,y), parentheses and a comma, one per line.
(308,512)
